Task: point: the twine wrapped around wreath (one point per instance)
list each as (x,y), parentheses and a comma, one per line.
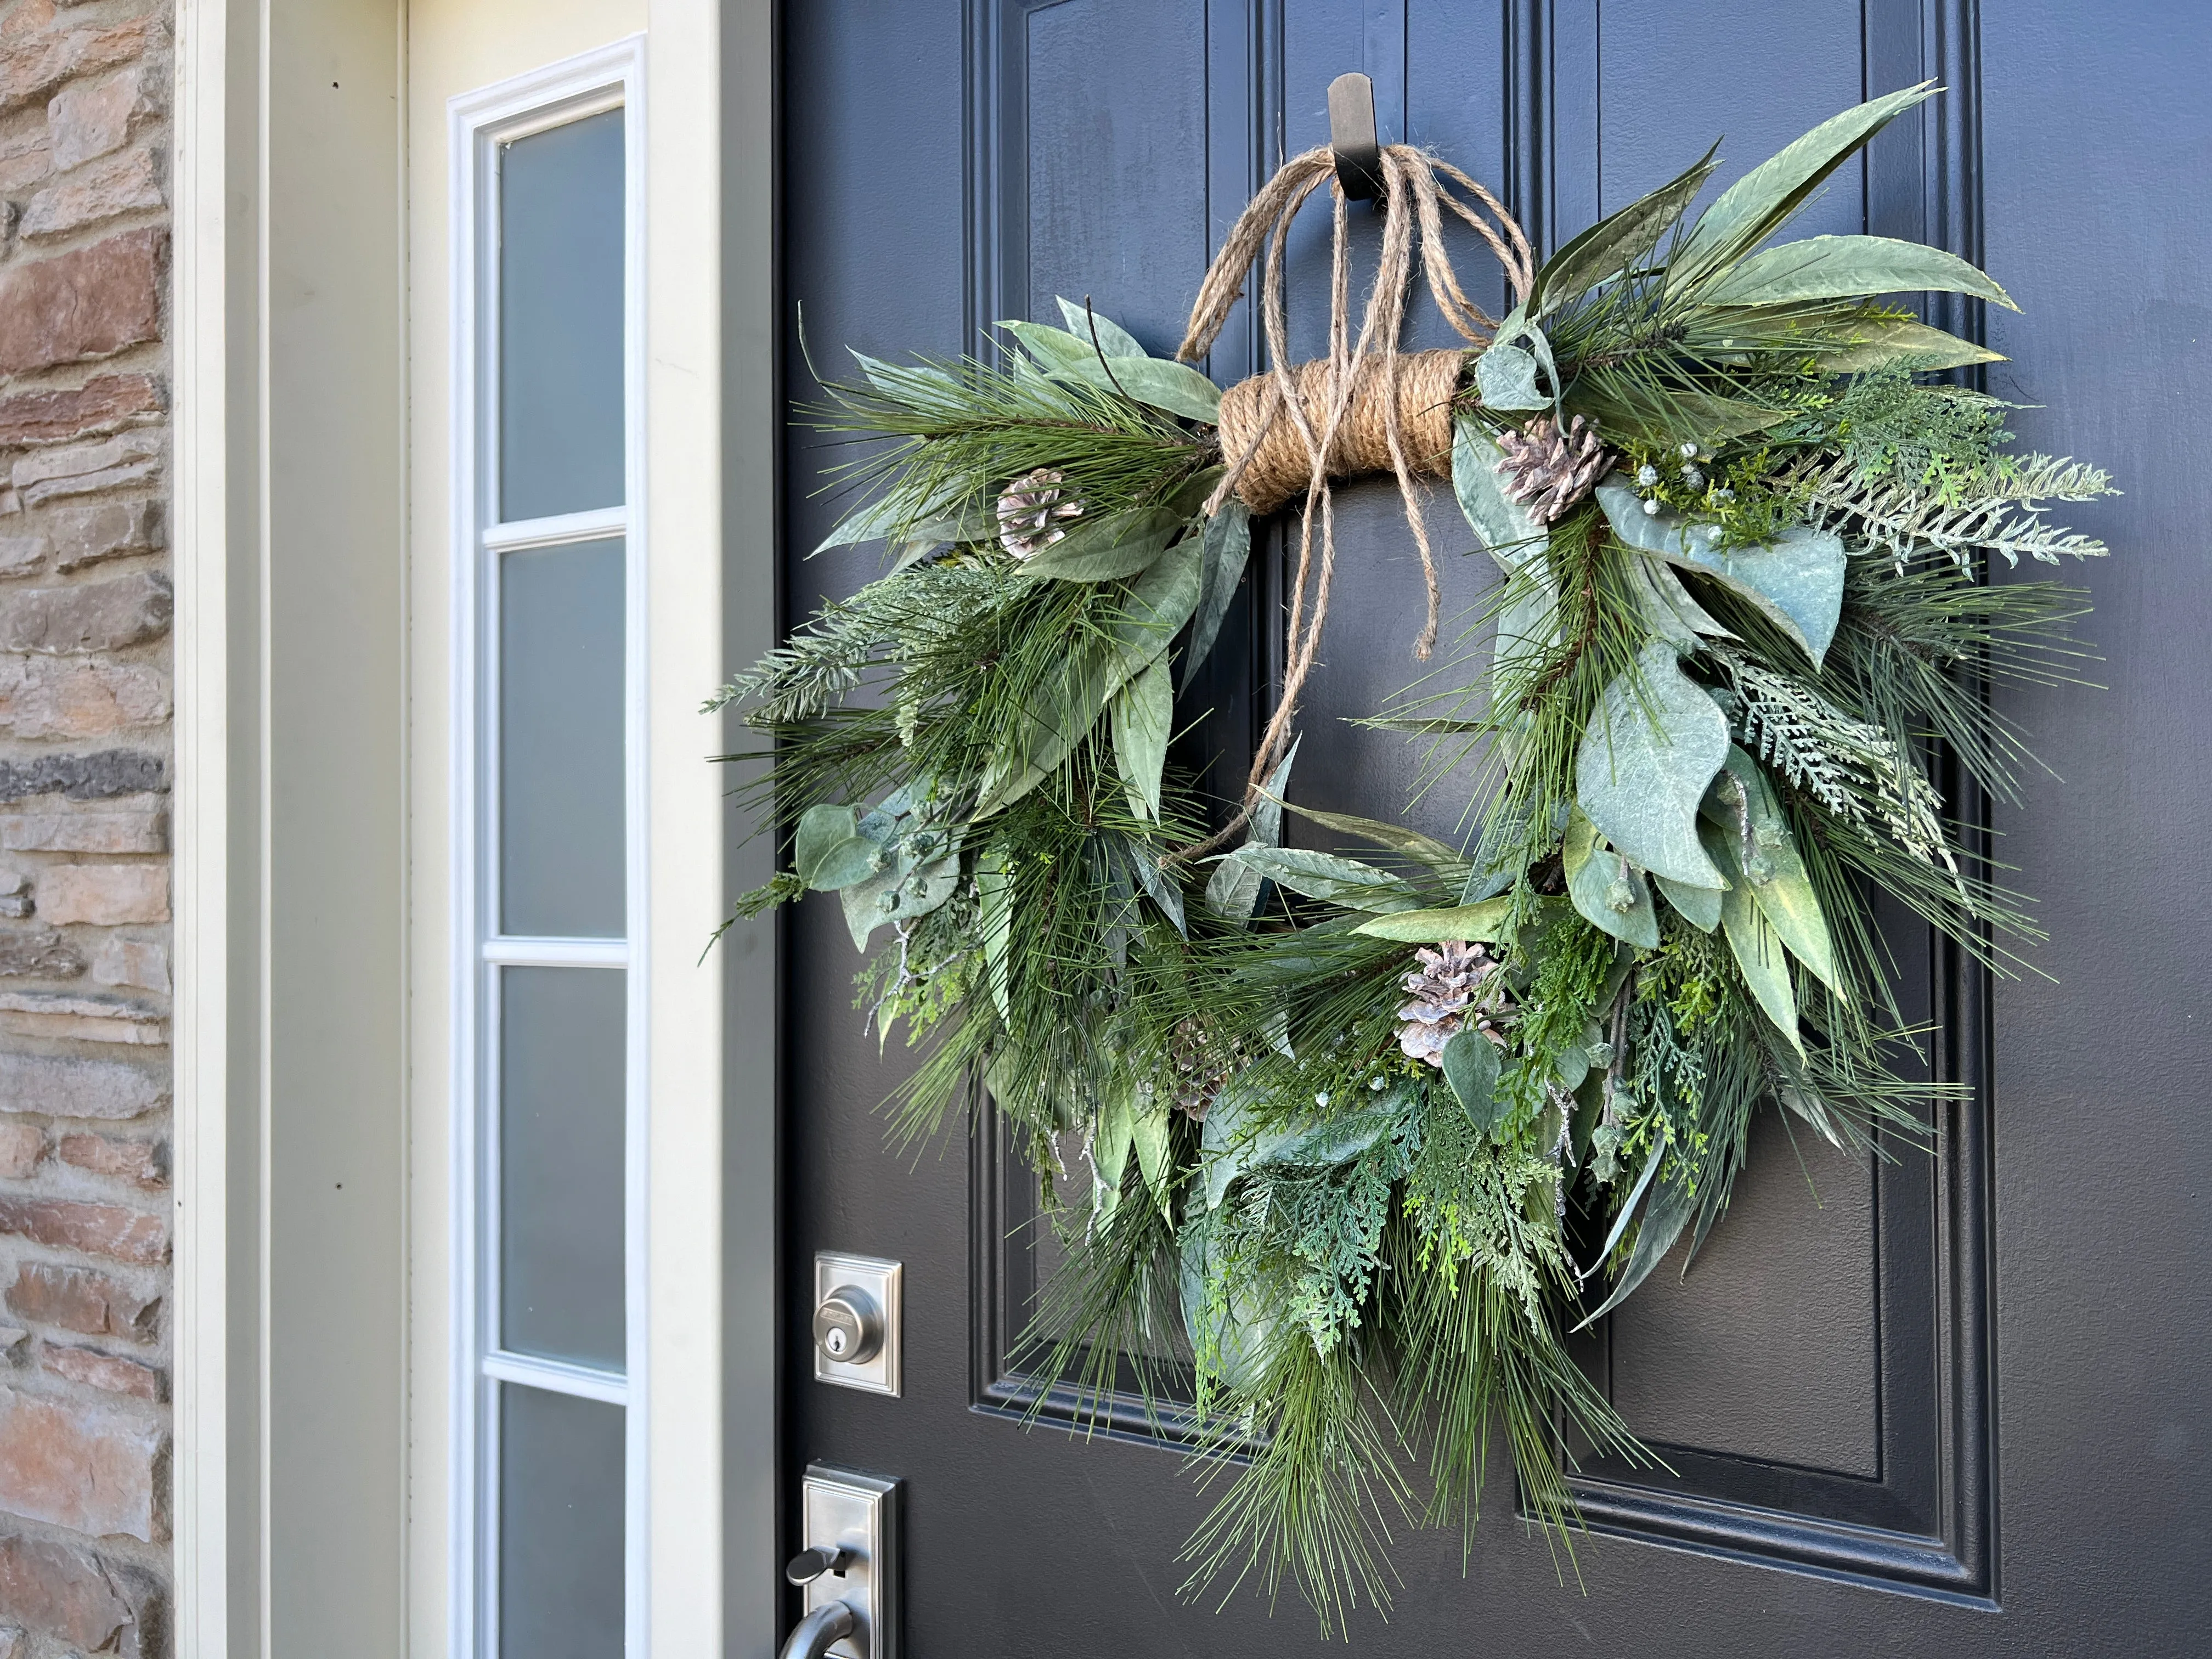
(1280,467)
(1365,408)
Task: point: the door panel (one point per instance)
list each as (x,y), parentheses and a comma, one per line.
(1823,1384)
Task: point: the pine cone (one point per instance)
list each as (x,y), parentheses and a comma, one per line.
(1455,989)
(1198,1066)
(1548,470)
(1029,510)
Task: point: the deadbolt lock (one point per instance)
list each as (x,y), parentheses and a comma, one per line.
(856,1321)
(848,1326)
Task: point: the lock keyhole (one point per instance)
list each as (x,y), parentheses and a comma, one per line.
(849,1327)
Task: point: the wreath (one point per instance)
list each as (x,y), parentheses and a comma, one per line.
(1368,1136)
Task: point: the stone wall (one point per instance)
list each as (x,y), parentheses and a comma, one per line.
(85,693)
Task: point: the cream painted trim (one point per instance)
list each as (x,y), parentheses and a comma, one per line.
(201,1474)
(249,1580)
(685,828)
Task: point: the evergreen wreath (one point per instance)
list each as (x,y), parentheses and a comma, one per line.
(1368,1136)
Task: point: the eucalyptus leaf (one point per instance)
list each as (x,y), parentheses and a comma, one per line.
(1512,534)
(1751,209)
(1796,580)
(1662,415)
(1698,906)
(1141,713)
(1483,923)
(1657,1157)
(1742,801)
(903,892)
(1505,377)
(1113,340)
(1651,750)
(1757,947)
(1471,1065)
(829,851)
(1228,545)
(1106,548)
(1616,241)
(1843,267)
(1667,609)
(1608,892)
(1324,876)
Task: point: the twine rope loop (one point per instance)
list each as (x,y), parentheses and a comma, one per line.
(1365,407)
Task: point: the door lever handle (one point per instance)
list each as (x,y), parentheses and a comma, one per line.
(808,1566)
(813,1636)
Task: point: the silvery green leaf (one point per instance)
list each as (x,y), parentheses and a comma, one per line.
(1608,892)
(1159,603)
(1752,938)
(1899,339)
(1473,924)
(1233,891)
(1158,886)
(1615,242)
(1228,546)
(1113,340)
(1843,267)
(1141,712)
(1444,860)
(829,851)
(1671,1207)
(1646,758)
(1742,802)
(1571,1065)
(1512,533)
(1505,377)
(1324,876)
(1231,1342)
(1628,1213)
(1106,548)
(1796,580)
(1667,609)
(1751,209)
(1340,1140)
(1148,1133)
(1109,1150)
(995,903)
(1698,906)
(1470,1066)
(1175,387)
(901,893)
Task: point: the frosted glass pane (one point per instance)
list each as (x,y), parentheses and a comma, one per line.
(560,866)
(561,1056)
(561,319)
(560,1526)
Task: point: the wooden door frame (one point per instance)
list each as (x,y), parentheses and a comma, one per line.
(294,1308)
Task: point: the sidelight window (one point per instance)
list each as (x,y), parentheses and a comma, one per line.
(549,1454)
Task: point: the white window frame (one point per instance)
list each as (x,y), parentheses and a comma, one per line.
(611,77)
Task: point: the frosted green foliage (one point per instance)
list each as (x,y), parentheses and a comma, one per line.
(2004,516)
(1469,1203)
(1856,770)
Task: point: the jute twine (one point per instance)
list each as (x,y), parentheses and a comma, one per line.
(1363,408)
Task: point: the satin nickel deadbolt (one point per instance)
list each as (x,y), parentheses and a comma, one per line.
(856,1322)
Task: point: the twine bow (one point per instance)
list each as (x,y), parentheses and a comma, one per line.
(1363,404)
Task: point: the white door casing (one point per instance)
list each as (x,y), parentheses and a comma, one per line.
(313,1471)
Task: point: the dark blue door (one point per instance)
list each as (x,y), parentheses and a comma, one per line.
(1951,1404)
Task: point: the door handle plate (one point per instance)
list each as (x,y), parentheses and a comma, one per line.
(844,1508)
